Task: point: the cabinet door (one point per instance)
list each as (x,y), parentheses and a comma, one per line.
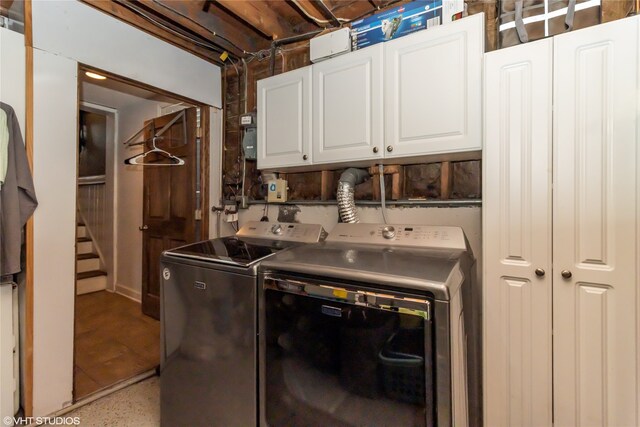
(347,107)
(433,87)
(595,229)
(284,120)
(517,236)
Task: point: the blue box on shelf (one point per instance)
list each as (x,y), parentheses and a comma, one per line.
(402,20)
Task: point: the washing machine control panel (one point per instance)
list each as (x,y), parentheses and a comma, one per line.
(290,232)
(416,236)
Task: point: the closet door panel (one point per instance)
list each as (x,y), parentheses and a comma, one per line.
(595,220)
(517,236)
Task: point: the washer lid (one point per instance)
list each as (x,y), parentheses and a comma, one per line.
(229,250)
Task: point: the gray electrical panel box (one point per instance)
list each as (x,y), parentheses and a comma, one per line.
(250,136)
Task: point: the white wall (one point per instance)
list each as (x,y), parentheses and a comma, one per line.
(73,33)
(129,199)
(80,32)
(55,112)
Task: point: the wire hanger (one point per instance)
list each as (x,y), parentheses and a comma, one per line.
(139,159)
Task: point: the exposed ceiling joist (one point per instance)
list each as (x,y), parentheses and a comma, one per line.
(259,15)
(327,12)
(205,33)
(310,11)
(223,24)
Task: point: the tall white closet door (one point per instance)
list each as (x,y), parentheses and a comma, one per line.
(595,219)
(517,236)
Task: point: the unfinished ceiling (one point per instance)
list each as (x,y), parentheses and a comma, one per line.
(242,28)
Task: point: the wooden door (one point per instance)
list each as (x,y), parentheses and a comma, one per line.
(170,203)
(517,236)
(284,119)
(595,226)
(347,107)
(433,90)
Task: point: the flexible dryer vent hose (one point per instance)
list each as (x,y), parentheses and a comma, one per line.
(345,195)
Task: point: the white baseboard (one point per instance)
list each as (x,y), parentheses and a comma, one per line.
(129,293)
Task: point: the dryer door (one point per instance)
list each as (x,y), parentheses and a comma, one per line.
(345,356)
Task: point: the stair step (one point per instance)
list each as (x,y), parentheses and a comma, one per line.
(84,239)
(81,231)
(91,284)
(87,256)
(92,273)
(84,247)
(88,264)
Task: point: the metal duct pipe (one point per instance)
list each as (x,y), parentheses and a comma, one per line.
(346,203)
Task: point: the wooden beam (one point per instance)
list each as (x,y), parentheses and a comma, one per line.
(327,13)
(375,186)
(5,6)
(187,23)
(215,20)
(222,23)
(397,184)
(397,181)
(446,180)
(310,8)
(612,10)
(327,185)
(260,16)
(27,386)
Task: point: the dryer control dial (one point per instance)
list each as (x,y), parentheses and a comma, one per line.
(277,229)
(388,232)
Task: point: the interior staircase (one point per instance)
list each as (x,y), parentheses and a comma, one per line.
(89,276)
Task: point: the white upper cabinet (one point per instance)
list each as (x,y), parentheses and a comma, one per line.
(284,120)
(595,225)
(433,90)
(416,96)
(517,236)
(347,107)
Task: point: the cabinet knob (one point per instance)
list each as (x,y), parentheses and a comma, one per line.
(144,227)
(375,149)
(389,148)
(566,274)
(540,272)
(305,157)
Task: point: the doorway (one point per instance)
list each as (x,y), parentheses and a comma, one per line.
(116,328)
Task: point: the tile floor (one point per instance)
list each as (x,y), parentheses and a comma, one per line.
(114,341)
(135,406)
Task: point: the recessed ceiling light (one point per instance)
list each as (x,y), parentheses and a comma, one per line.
(94,75)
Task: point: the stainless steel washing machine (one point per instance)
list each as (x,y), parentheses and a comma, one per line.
(208,324)
(370,328)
